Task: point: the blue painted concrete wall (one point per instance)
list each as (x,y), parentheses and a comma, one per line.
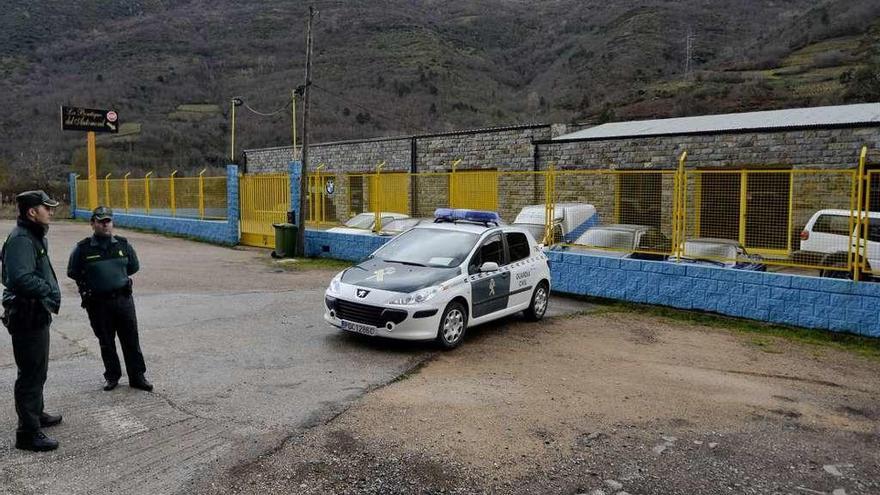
(216,231)
(351,247)
(812,302)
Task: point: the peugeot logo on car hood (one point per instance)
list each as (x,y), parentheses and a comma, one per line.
(362,293)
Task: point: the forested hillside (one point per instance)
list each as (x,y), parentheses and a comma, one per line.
(385,67)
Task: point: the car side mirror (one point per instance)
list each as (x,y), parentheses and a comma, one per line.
(489,266)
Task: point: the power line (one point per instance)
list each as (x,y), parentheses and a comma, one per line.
(362,107)
(280,109)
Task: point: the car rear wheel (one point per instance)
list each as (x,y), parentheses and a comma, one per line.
(540,299)
(453,324)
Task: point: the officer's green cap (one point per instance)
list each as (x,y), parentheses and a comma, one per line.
(102,213)
(30,199)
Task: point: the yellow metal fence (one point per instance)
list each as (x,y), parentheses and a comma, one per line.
(190,197)
(796,217)
(334,198)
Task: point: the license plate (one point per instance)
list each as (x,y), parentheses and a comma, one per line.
(358,328)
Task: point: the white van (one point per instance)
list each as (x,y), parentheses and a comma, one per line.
(832,233)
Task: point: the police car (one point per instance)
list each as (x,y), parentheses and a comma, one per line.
(436,280)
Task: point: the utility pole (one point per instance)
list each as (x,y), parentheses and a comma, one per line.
(303,189)
(688,52)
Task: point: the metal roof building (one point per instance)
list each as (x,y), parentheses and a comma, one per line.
(862,115)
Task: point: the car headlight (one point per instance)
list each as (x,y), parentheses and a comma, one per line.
(335,284)
(417,297)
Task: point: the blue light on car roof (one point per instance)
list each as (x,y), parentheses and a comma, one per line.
(449,214)
(444,214)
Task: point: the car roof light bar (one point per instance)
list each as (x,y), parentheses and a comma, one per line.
(459,214)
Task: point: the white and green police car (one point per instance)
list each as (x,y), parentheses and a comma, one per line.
(436,280)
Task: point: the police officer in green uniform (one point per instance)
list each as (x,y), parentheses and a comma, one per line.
(101,265)
(30,295)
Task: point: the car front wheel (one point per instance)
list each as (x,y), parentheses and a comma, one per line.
(453,324)
(540,299)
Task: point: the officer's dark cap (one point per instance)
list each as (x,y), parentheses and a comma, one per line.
(30,199)
(102,213)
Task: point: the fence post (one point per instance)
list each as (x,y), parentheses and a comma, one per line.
(107,190)
(549,204)
(171,190)
(202,194)
(861,217)
(678,200)
(125,189)
(377,222)
(72,191)
(316,188)
(147,192)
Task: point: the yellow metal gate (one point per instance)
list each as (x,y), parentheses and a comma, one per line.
(265,199)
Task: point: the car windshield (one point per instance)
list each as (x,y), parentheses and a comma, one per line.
(361,221)
(709,250)
(607,238)
(429,247)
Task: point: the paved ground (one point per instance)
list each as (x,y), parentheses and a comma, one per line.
(240,358)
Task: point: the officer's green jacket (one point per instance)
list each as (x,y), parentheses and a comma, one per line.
(102,264)
(27,271)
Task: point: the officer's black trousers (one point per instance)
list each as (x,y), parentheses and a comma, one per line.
(112,316)
(30,346)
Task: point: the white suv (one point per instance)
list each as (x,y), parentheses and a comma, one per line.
(832,233)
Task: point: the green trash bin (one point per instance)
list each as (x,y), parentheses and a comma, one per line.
(285,240)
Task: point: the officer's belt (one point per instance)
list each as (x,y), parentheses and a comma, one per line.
(122,291)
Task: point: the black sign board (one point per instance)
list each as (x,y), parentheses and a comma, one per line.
(89,119)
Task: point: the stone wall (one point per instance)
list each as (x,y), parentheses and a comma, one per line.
(508,148)
(521,150)
(824,148)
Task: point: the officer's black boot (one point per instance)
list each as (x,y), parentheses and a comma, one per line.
(140,382)
(34,441)
(47,419)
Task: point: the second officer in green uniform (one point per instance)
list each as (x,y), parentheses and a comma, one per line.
(101,266)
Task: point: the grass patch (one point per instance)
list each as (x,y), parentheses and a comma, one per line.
(863,346)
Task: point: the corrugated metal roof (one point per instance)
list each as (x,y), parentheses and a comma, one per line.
(841,115)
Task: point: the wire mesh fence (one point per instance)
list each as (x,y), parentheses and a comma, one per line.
(788,217)
(632,211)
(795,216)
(869,263)
(189,197)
